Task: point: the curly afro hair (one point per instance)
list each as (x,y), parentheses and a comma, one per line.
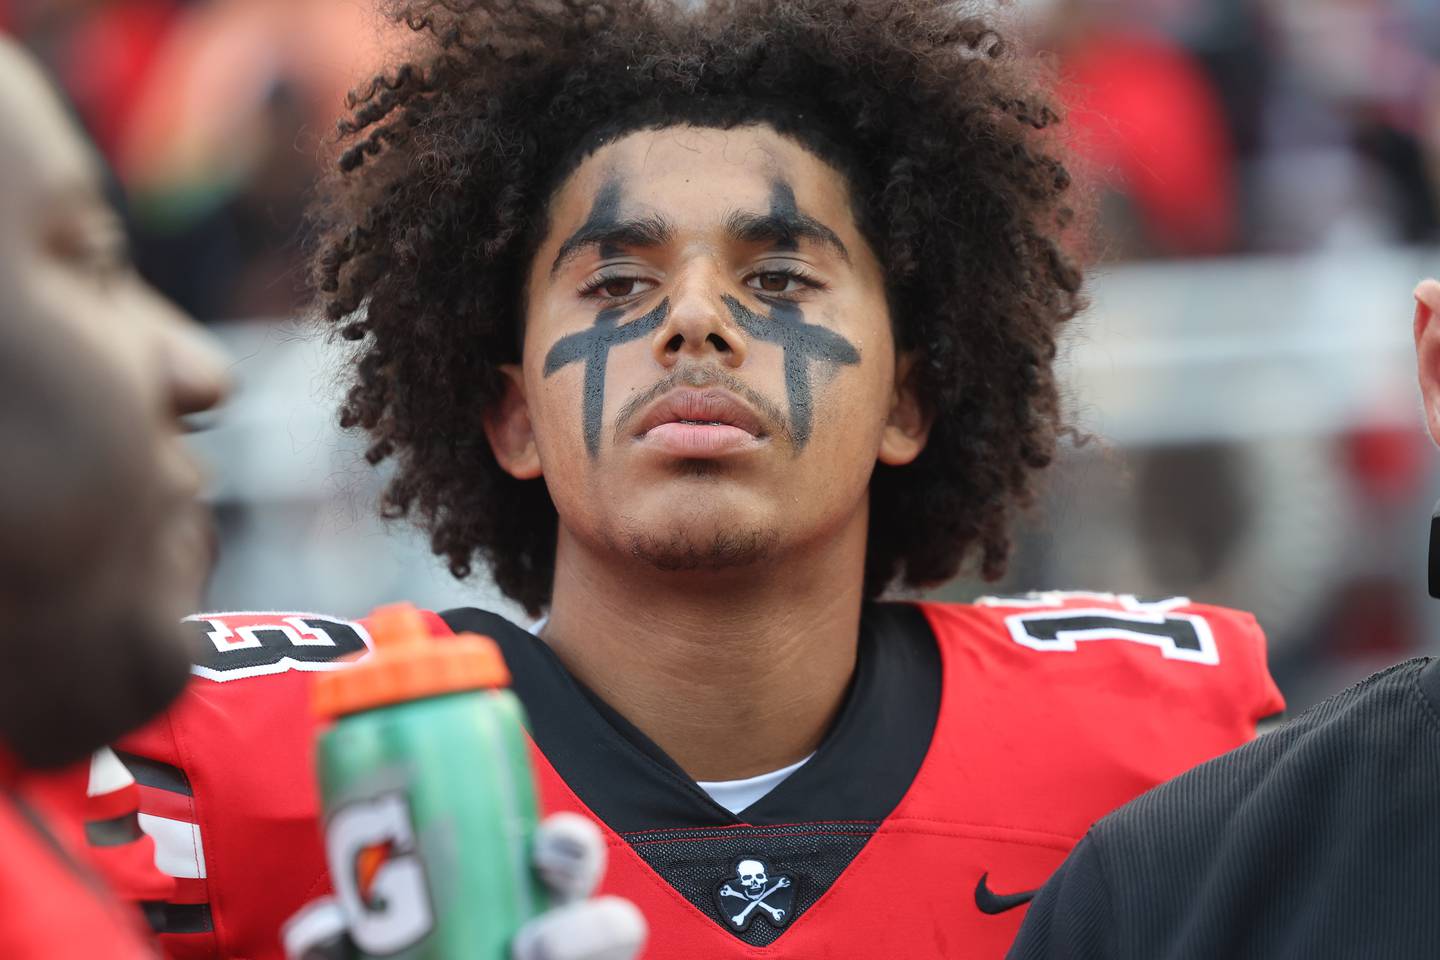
(446,167)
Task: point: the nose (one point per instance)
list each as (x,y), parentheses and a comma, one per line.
(698,326)
(194,366)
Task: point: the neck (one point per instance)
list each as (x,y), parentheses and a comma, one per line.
(733,674)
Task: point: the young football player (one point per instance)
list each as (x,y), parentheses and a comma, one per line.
(102,543)
(1319,840)
(702,326)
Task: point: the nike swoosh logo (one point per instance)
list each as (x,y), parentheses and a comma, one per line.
(993,903)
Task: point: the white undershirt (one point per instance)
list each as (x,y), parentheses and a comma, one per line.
(736,795)
(733,795)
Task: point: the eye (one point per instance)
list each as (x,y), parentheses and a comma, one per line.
(615,286)
(104,266)
(91,242)
(111,263)
(774,282)
(779,282)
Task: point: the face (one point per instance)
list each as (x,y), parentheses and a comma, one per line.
(144,550)
(709,375)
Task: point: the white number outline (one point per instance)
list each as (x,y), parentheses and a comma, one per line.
(1051,606)
(297,633)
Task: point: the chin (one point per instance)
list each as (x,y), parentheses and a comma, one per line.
(687,521)
(681,550)
(687,525)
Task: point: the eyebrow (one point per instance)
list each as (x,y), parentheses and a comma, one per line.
(783,230)
(652,231)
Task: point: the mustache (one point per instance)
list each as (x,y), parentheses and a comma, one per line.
(705,375)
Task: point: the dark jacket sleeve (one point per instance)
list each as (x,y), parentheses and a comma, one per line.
(1070,919)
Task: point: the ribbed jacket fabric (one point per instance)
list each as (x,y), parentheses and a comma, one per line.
(1321,839)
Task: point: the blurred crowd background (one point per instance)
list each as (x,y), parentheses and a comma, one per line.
(1266,176)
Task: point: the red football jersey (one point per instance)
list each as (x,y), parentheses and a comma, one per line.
(94,808)
(51,907)
(975,747)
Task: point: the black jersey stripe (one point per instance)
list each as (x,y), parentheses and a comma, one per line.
(153,773)
(115,832)
(178,917)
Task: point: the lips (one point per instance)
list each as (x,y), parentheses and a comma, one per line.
(713,408)
(699,424)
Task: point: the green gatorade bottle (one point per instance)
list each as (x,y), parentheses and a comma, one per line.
(429,798)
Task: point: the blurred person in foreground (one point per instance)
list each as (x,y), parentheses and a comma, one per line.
(102,542)
(103,549)
(1320,839)
(702,326)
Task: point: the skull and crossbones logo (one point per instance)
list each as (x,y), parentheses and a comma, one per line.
(755,890)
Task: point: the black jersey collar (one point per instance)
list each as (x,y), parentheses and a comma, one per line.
(860,772)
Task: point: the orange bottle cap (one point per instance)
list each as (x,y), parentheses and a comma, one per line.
(407,663)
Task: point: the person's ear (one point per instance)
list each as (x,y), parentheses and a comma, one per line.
(907,427)
(1427,351)
(508,428)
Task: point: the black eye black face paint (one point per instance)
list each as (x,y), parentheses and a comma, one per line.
(592,347)
(603,219)
(604,214)
(794,224)
(802,343)
(784,211)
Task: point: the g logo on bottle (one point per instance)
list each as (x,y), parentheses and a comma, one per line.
(378,874)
